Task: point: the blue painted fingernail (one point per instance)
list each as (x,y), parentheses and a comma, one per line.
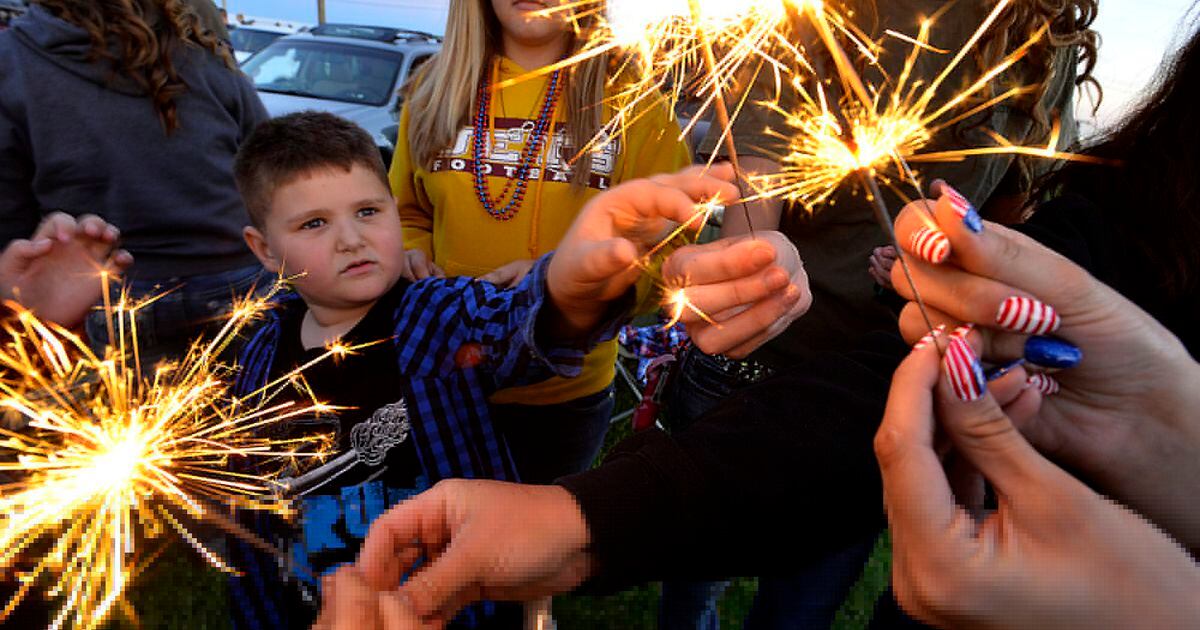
(973,221)
(963,208)
(1000,371)
(1052,353)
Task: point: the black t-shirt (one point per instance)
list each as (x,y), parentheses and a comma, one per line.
(337,510)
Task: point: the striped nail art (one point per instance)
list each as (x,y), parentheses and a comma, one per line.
(931,245)
(964,371)
(1027,315)
(1043,383)
(965,211)
(963,331)
(928,339)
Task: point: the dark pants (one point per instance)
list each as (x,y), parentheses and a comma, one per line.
(188,308)
(550,441)
(808,598)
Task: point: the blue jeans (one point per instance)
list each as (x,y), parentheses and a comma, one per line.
(189,308)
(808,598)
(550,441)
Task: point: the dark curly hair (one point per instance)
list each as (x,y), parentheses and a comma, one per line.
(139,38)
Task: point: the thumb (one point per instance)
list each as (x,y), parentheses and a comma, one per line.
(979,428)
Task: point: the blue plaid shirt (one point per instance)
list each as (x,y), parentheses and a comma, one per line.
(457,340)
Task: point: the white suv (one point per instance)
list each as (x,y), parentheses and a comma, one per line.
(353,71)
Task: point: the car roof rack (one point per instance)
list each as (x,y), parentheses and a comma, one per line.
(385,34)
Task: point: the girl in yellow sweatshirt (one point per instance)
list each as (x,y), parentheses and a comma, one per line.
(488,180)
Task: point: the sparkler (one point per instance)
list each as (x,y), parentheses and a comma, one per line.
(881,130)
(103,459)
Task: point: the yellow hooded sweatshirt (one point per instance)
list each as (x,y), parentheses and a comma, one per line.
(442,216)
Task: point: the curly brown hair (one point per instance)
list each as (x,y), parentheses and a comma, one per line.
(1070,28)
(138,38)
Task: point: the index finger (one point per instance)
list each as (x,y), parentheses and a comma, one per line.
(1000,254)
(718,261)
(917,493)
(396,539)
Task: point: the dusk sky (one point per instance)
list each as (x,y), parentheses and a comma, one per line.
(1136,34)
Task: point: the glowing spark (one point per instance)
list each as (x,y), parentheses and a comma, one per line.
(103,458)
(677,303)
(881,129)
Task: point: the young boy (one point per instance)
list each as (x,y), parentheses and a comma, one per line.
(412,410)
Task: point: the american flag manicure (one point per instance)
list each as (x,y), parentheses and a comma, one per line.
(1027,315)
(931,245)
(964,371)
(928,339)
(965,211)
(1043,383)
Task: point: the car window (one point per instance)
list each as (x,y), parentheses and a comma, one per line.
(353,74)
(251,40)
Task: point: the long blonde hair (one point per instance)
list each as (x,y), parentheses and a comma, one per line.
(442,96)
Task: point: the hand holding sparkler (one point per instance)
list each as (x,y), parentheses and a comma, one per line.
(736,294)
(1131,400)
(1054,552)
(55,274)
(597,261)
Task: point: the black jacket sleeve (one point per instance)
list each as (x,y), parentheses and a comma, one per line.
(779,473)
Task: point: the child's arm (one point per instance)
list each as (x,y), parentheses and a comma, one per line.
(56,274)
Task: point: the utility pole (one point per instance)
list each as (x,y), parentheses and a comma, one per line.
(320,11)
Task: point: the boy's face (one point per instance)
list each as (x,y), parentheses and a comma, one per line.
(340,229)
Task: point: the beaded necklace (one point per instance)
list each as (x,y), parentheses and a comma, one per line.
(533,148)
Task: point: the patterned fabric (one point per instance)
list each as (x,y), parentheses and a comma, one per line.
(457,340)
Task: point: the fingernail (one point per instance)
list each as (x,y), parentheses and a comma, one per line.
(1044,383)
(931,245)
(1001,371)
(965,211)
(962,331)
(777,278)
(963,370)
(762,255)
(791,294)
(928,339)
(1052,353)
(1027,315)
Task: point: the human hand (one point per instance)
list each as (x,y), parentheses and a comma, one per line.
(1125,416)
(595,262)
(509,275)
(880,265)
(418,266)
(481,540)
(749,291)
(56,274)
(348,603)
(1053,554)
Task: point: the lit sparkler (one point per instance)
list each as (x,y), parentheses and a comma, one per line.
(101,459)
(882,129)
